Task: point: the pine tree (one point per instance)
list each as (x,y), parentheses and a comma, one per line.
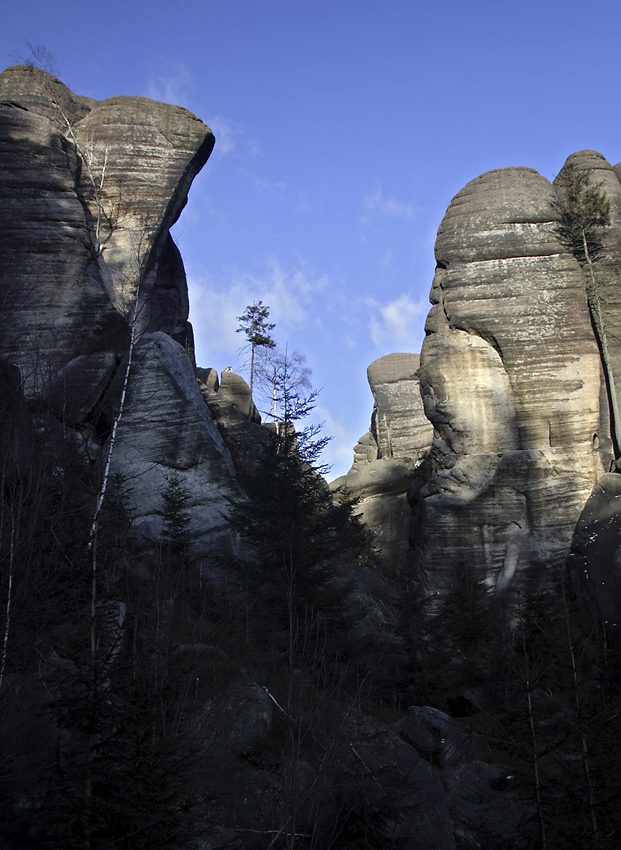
(585,210)
(254,324)
(176,523)
(299,539)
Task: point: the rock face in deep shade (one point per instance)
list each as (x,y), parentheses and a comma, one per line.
(385,458)
(596,555)
(88,193)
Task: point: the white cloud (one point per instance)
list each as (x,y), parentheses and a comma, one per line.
(218,298)
(267,188)
(386,260)
(377,204)
(395,325)
(339,452)
(173,87)
(232,137)
(305,205)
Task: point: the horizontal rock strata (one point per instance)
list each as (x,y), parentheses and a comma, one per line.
(510,376)
(385,458)
(88,192)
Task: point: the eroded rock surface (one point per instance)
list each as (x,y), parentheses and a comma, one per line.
(385,457)
(510,375)
(88,192)
(516,426)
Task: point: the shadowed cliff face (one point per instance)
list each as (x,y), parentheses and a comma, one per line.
(88,192)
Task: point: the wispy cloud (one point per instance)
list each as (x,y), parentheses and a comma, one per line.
(395,325)
(339,452)
(386,260)
(305,205)
(218,298)
(232,137)
(377,204)
(173,86)
(266,187)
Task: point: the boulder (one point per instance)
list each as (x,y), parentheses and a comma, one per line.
(236,392)
(434,735)
(401,429)
(238,720)
(489,808)
(408,806)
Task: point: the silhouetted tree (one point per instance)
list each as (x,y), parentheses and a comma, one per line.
(254,324)
(585,210)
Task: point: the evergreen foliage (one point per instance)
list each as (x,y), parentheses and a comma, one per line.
(299,539)
(584,212)
(254,324)
(585,209)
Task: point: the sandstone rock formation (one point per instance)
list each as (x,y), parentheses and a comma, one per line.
(385,457)
(596,554)
(485,450)
(88,193)
(511,381)
(510,375)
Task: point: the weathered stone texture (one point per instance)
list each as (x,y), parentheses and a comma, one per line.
(88,192)
(401,430)
(167,431)
(510,377)
(607,269)
(387,455)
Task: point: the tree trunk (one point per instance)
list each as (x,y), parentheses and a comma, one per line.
(533,737)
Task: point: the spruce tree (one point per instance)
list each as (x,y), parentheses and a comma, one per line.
(585,210)
(254,324)
(299,540)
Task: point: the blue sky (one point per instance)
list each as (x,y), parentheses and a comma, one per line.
(343,129)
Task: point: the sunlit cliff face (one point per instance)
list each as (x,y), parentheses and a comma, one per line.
(510,381)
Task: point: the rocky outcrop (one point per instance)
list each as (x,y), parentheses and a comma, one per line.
(513,392)
(94,321)
(510,376)
(387,455)
(399,429)
(595,552)
(88,193)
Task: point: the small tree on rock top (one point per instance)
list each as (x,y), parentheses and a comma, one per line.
(254,324)
(584,211)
